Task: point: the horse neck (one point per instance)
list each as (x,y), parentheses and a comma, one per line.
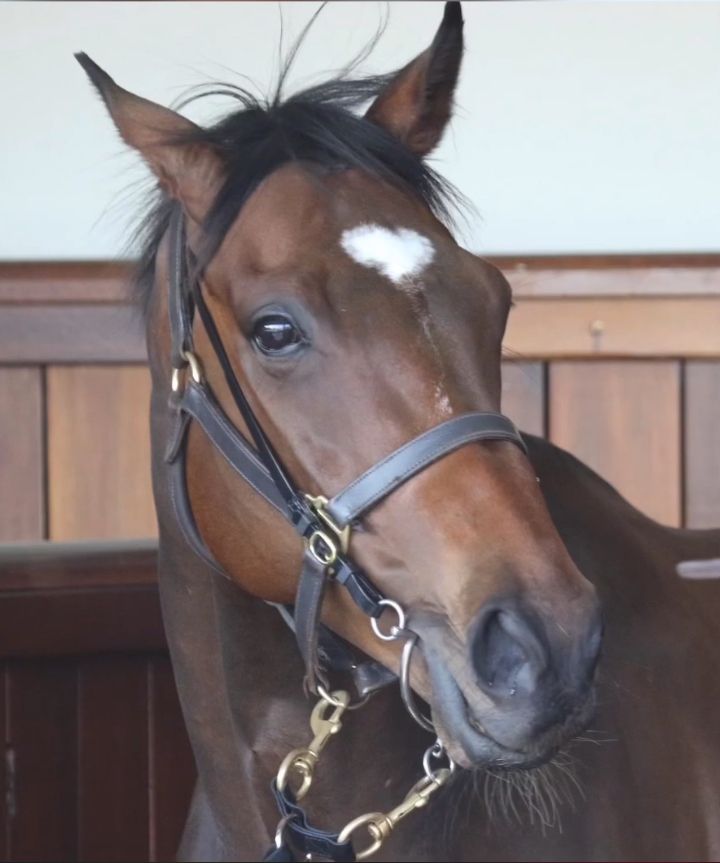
(240,681)
(239,677)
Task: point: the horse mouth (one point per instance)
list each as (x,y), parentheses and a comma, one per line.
(468,742)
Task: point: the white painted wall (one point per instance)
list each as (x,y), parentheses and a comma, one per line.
(585,126)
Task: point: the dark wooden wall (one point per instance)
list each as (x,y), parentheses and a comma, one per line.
(616,359)
(97,765)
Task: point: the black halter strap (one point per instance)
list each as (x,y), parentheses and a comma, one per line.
(319,522)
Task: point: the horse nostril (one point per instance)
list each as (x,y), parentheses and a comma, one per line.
(507,654)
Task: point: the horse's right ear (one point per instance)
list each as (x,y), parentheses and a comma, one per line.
(186,170)
(417,103)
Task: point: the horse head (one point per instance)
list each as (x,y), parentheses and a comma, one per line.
(354,322)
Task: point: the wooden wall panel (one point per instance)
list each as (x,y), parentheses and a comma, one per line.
(43,738)
(113,780)
(172,766)
(66,333)
(99,452)
(702,444)
(73,622)
(571,327)
(623,419)
(523,395)
(22,506)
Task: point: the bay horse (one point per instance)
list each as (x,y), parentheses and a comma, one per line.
(327,446)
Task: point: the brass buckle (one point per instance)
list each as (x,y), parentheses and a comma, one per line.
(322,548)
(195,370)
(319,504)
(302,762)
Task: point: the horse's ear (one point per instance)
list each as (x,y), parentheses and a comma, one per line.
(190,172)
(416,105)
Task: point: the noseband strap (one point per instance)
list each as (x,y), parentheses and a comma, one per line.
(400,466)
(323,525)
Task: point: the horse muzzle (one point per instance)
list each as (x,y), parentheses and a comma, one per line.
(510,697)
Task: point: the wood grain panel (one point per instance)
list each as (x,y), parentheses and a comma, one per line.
(172,766)
(22,507)
(47,282)
(69,333)
(611,275)
(623,419)
(523,395)
(702,444)
(43,738)
(113,780)
(62,565)
(615,327)
(99,452)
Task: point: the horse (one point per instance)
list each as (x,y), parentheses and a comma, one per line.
(327,447)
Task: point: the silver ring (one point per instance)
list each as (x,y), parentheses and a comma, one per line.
(436,751)
(396,631)
(405,689)
(333,702)
(281,829)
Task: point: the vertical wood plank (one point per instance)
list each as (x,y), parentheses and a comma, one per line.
(622,417)
(523,395)
(43,738)
(172,766)
(99,452)
(113,771)
(22,507)
(702,444)
(4,788)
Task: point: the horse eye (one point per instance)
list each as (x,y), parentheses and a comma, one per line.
(274,334)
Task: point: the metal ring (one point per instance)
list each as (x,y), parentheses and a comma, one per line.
(437,750)
(297,761)
(331,700)
(316,550)
(334,702)
(405,689)
(195,367)
(281,829)
(175,380)
(195,371)
(372,821)
(396,631)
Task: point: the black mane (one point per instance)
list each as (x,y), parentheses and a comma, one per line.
(319,125)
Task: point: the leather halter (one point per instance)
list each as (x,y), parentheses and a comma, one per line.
(324,525)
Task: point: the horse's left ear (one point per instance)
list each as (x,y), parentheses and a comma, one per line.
(190,172)
(416,105)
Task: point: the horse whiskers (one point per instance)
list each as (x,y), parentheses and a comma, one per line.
(535,796)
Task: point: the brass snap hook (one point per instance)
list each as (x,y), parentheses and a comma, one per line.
(302,762)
